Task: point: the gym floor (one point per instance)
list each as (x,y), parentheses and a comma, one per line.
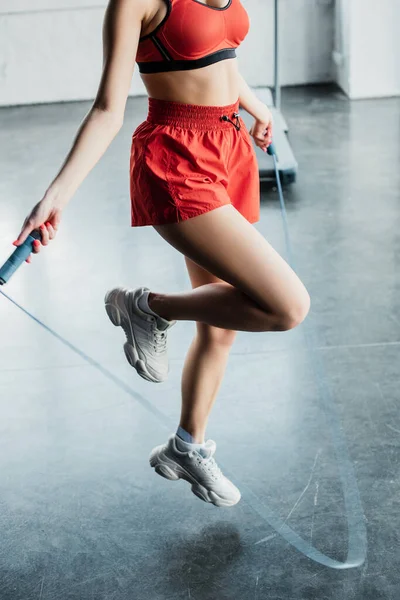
(307,422)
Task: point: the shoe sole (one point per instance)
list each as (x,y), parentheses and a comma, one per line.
(118,319)
(169,469)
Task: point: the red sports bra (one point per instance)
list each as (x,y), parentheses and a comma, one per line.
(193,35)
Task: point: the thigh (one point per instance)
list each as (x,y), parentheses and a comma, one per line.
(198,277)
(226,245)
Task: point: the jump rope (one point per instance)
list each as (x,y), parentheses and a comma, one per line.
(357,534)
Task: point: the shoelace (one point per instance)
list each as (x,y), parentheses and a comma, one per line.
(213,468)
(160,339)
(209,464)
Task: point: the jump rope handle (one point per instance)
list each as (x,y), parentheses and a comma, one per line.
(18,257)
(271,150)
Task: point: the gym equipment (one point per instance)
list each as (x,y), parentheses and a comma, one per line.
(286,161)
(18,257)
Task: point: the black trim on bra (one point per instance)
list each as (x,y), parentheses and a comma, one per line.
(160,66)
(160,46)
(214,7)
(169,8)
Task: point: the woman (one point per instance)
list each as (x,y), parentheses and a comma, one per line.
(194,178)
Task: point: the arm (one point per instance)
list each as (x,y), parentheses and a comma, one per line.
(121,32)
(262,128)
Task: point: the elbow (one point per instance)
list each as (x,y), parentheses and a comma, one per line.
(114,119)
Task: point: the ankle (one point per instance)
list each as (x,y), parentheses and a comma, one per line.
(191,434)
(157,304)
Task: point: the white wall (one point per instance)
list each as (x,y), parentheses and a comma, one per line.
(50,50)
(306,32)
(367,41)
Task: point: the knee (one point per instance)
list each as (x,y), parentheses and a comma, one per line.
(295,314)
(215,336)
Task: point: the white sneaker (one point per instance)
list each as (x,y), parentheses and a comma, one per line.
(146,335)
(199,469)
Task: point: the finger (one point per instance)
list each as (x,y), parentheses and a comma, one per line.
(29,259)
(268,138)
(260,138)
(51,230)
(55,221)
(263,144)
(36,246)
(27,227)
(45,235)
(265,147)
(260,134)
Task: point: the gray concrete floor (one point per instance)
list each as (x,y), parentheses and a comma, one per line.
(82,515)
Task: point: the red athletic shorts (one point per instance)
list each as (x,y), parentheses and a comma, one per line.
(186,161)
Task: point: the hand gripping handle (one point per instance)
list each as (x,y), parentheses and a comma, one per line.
(18,257)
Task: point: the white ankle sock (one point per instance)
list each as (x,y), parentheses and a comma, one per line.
(143,304)
(186,446)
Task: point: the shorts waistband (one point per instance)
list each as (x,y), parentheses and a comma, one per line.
(192,116)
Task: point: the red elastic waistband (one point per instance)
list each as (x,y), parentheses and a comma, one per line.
(193,116)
